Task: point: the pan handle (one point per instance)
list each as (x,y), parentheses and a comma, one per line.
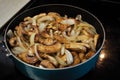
(3,48)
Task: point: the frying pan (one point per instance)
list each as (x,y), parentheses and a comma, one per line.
(68,73)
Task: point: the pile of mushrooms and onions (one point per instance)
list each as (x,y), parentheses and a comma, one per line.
(49,40)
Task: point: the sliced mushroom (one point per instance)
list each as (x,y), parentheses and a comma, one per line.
(89,54)
(61,39)
(77,46)
(29,59)
(49,49)
(76,59)
(13,41)
(50,58)
(47,41)
(47,64)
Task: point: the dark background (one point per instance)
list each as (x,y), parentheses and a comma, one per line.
(107,68)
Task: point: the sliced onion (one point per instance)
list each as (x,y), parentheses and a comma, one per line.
(51,33)
(10,33)
(69,56)
(42,67)
(78,30)
(71,38)
(72,33)
(79,17)
(20,43)
(34,20)
(60,61)
(83,38)
(84,44)
(30,52)
(32,38)
(88,40)
(88,27)
(45,18)
(52,59)
(62,50)
(27,27)
(42,27)
(68,21)
(18,50)
(92,46)
(36,52)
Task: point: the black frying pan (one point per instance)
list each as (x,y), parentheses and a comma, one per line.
(69,73)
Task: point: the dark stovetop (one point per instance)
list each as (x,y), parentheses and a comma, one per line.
(108,65)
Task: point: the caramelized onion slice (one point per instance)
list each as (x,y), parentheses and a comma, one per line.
(69,56)
(36,52)
(18,50)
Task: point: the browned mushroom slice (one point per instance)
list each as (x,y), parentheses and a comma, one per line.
(49,49)
(51,59)
(81,56)
(47,64)
(48,41)
(13,41)
(76,58)
(77,46)
(31,59)
(61,39)
(89,54)
(45,34)
(63,27)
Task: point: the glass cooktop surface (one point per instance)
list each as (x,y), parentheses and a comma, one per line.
(108,65)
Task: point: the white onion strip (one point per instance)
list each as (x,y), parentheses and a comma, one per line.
(42,67)
(62,49)
(51,33)
(36,52)
(52,60)
(34,20)
(60,61)
(17,50)
(20,43)
(42,26)
(69,56)
(32,37)
(68,21)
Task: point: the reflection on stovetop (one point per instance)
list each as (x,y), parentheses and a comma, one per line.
(108,65)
